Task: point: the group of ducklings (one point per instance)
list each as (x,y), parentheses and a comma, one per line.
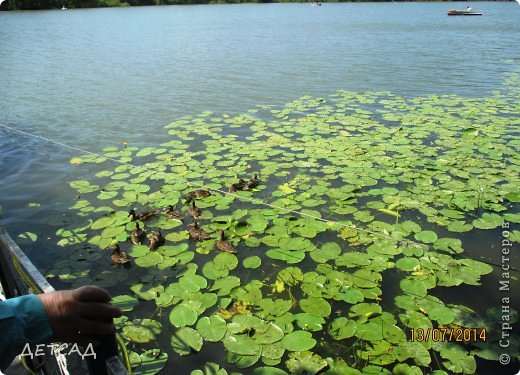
(156,239)
(198,234)
(138,235)
(245,185)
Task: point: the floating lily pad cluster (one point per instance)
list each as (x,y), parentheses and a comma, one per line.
(357,190)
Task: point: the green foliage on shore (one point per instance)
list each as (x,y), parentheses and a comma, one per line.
(72,4)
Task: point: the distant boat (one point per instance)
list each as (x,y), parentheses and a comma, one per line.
(318,4)
(455,12)
(63,7)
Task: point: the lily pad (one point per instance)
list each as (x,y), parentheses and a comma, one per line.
(316,306)
(151,362)
(183,315)
(298,341)
(328,251)
(342,328)
(185,340)
(426,236)
(125,302)
(212,328)
(305,362)
(252,262)
(241,344)
(289,256)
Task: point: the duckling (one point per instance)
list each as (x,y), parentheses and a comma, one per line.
(202,193)
(172,213)
(145,215)
(194,211)
(118,257)
(252,183)
(156,240)
(237,186)
(223,244)
(138,235)
(197,233)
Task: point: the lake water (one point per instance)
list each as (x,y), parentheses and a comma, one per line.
(95,78)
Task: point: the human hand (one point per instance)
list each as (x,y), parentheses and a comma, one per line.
(75,314)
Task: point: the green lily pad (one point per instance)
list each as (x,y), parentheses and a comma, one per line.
(243,361)
(459,226)
(289,256)
(192,283)
(103,222)
(142,331)
(185,340)
(213,272)
(274,308)
(210,368)
(138,251)
(513,197)
(426,236)
(443,315)
(298,341)
(268,333)
(350,295)
(146,292)
(226,260)
(252,262)
(328,251)
(407,264)
(151,362)
(305,362)
(224,285)
(458,360)
(316,306)
(290,276)
(28,237)
(342,328)
(183,315)
(488,221)
(150,259)
(268,371)
(241,344)
(414,287)
(309,322)
(125,302)
(212,328)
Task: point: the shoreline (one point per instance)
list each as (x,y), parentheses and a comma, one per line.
(94,4)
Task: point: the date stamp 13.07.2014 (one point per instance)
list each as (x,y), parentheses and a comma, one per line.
(448,334)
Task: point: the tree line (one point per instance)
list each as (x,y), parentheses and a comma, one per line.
(71,4)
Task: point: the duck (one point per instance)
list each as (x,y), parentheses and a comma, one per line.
(238,186)
(156,240)
(194,211)
(138,235)
(223,244)
(118,257)
(172,213)
(202,193)
(143,216)
(252,183)
(197,233)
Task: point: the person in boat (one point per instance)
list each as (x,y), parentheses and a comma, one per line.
(64,316)
(469,9)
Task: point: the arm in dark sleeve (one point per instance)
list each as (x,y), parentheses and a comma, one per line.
(22,320)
